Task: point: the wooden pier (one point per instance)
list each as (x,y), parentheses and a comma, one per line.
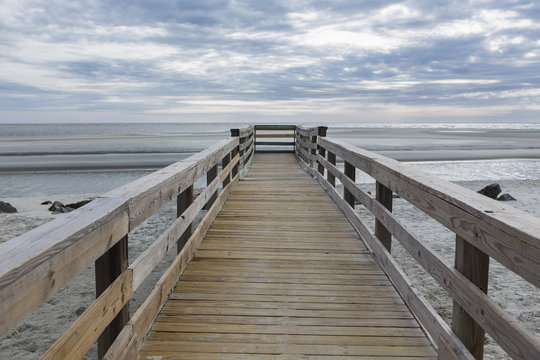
(282,272)
(281,266)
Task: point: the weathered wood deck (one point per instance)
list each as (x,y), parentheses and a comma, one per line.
(282,274)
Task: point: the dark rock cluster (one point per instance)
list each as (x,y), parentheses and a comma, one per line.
(59,208)
(493,192)
(7,208)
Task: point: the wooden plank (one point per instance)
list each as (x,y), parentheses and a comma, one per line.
(35,265)
(277,305)
(328,298)
(299,339)
(82,334)
(239,356)
(219,347)
(273,143)
(170,309)
(275,136)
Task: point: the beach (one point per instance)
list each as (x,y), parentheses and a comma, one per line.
(470,157)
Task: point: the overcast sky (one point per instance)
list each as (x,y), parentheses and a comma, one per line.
(227,60)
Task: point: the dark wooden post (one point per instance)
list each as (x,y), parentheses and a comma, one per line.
(210,176)
(384,196)
(322,151)
(226,160)
(182,203)
(474,264)
(108,267)
(332,160)
(350,172)
(313,151)
(235,133)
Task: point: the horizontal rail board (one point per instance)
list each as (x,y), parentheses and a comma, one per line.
(274,136)
(273,143)
(275,127)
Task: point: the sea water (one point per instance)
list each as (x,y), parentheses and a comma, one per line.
(48,159)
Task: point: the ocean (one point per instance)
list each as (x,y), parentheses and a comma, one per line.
(49,159)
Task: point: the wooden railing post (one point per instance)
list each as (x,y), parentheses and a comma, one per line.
(236,150)
(183,200)
(384,196)
(332,160)
(210,176)
(226,159)
(108,267)
(474,264)
(322,152)
(350,172)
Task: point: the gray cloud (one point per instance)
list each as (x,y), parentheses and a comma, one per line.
(221,59)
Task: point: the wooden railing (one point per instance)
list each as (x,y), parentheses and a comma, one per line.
(306,147)
(273,138)
(36,265)
(246,137)
(483,227)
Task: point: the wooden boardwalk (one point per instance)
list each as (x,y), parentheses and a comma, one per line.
(281,274)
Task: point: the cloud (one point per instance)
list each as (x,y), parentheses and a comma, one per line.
(242,57)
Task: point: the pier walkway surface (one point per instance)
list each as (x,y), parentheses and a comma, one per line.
(282,274)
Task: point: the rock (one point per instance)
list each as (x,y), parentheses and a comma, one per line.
(7,208)
(48,202)
(506,197)
(56,206)
(78,204)
(491,191)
